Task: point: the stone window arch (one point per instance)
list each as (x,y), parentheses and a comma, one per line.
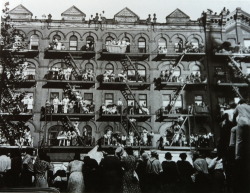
(142,47)
(53,133)
(34,42)
(73,42)
(109,68)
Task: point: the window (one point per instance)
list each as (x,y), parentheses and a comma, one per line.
(132,76)
(178,45)
(89,66)
(247,43)
(53,133)
(90,41)
(162,43)
(88,97)
(34,42)
(178,103)
(89,134)
(198,100)
(73,43)
(196,69)
(109,98)
(142,45)
(128,44)
(53,95)
(195,43)
(30,72)
(142,99)
(109,68)
(57,37)
(165,100)
(108,40)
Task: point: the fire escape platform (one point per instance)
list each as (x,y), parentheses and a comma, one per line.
(173,56)
(25,84)
(238,56)
(233,84)
(111,117)
(23,53)
(140,117)
(120,56)
(61,54)
(169,85)
(63,84)
(19,117)
(72,117)
(121,85)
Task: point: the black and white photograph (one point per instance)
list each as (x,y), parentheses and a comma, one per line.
(131,96)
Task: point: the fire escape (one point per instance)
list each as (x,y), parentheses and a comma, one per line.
(237,70)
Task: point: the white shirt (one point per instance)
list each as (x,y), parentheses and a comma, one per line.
(5,163)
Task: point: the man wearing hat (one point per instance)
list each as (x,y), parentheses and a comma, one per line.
(153,170)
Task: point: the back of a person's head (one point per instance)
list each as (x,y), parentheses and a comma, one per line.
(183,156)
(86,158)
(129,150)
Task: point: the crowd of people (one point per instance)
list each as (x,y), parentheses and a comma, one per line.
(123,170)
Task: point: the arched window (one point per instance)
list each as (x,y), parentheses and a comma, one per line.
(178,45)
(196,69)
(57,37)
(73,43)
(30,72)
(162,45)
(142,45)
(88,139)
(195,42)
(90,41)
(132,75)
(53,133)
(177,72)
(128,44)
(109,68)
(34,42)
(108,40)
(89,66)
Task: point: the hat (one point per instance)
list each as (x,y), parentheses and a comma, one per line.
(145,156)
(153,153)
(183,156)
(168,155)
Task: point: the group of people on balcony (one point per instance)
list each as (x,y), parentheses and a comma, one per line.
(69,106)
(16,135)
(226,47)
(168,76)
(143,138)
(56,73)
(56,45)
(119,109)
(189,47)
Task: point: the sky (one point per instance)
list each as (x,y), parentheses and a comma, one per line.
(142,8)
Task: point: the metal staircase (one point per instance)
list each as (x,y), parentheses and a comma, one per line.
(174,97)
(176,64)
(67,124)
(70,63)
(236,91)
(235,67)
(127,124)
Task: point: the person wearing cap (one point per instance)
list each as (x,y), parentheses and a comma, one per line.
(170,175)
(185,170)
(154,170)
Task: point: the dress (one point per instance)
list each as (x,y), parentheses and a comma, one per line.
(40,168)
(128,184)
(75,183)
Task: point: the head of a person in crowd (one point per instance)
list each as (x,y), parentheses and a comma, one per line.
(196,155)
(145,156)
(129,151)
(86,159)
(77,156)
(154,154)
(242,101)
(168,156)
(110,151)
(23,152)
(183,156)
(119,152)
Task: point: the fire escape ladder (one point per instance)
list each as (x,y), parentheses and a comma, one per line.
(236,91)
(176,94)
(127,124)
(127,63)
(69,61)
(68,124)
(235,66)
(177,63)
(128,92)
(77,97)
